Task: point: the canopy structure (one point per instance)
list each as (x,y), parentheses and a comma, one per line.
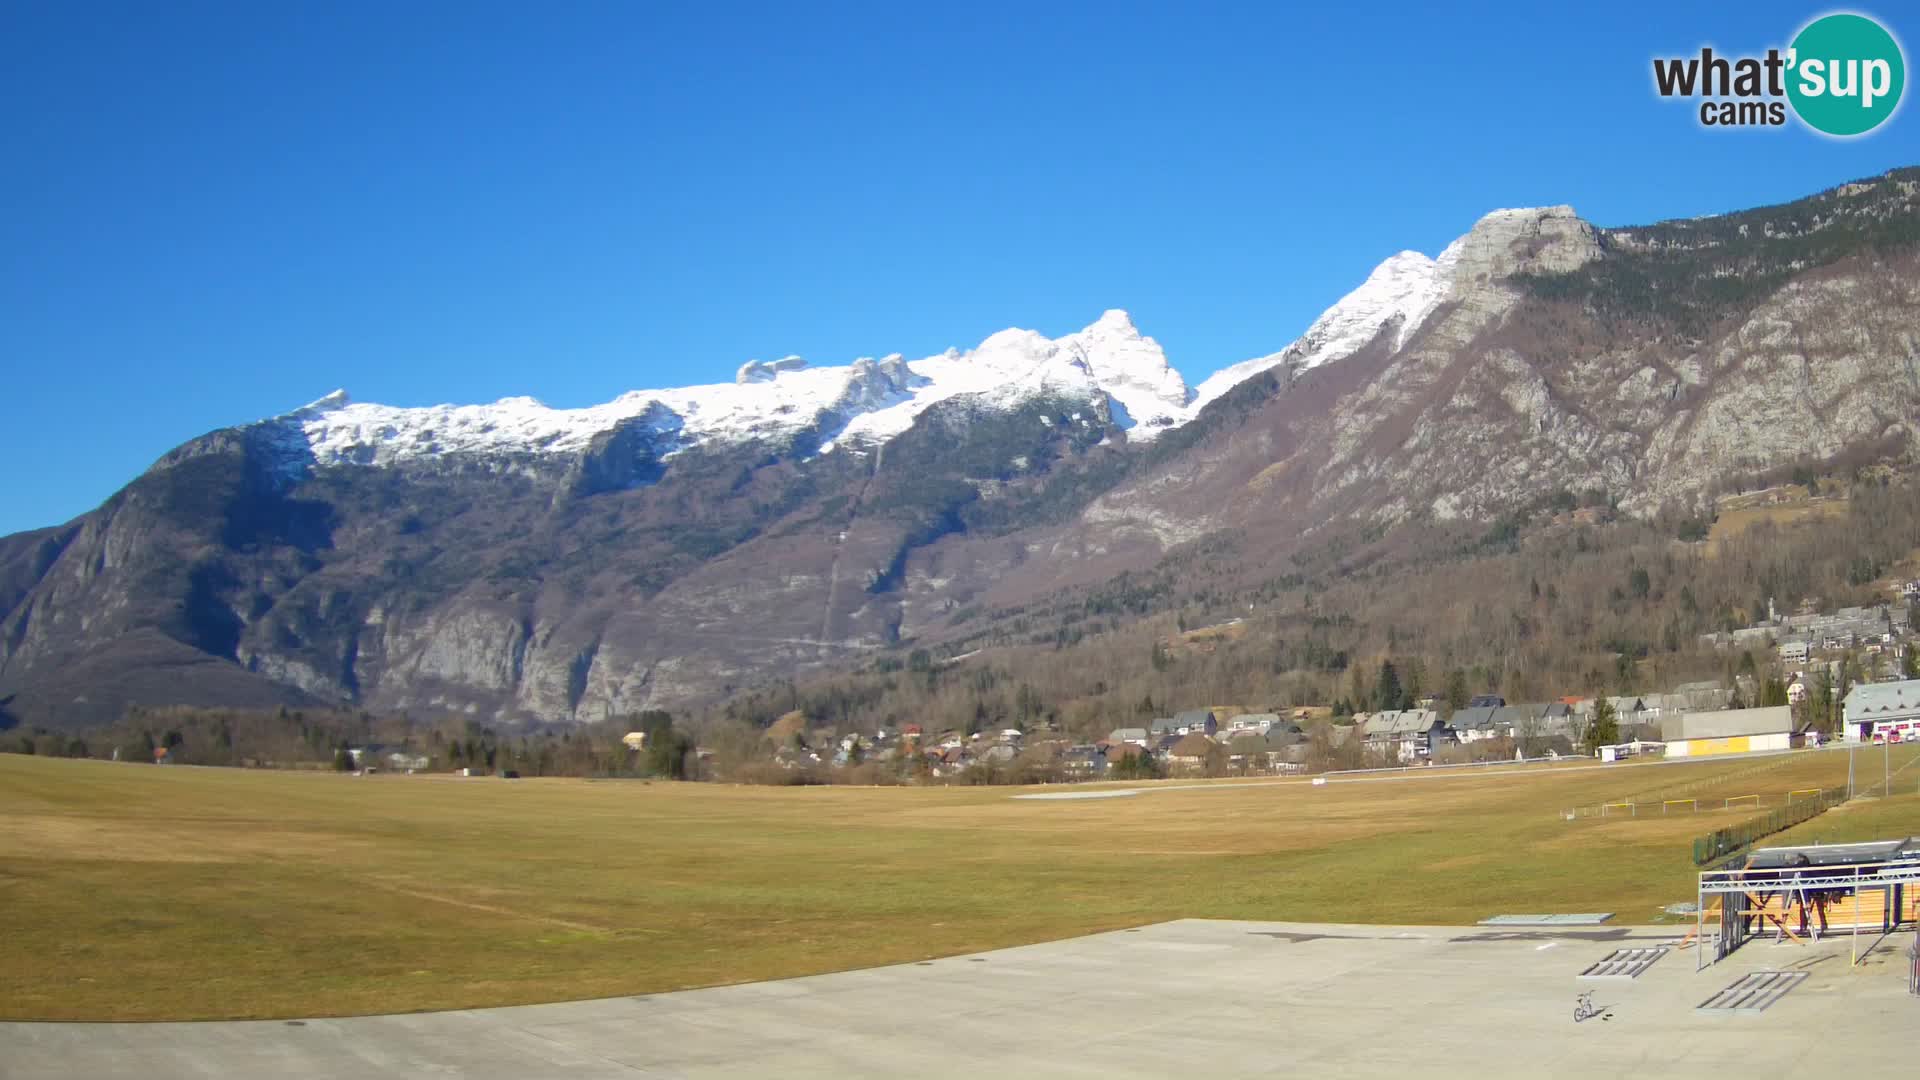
(1873,887)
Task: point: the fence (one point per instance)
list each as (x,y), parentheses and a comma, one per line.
(1723,842)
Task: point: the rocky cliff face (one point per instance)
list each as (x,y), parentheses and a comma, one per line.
(517,562)
(1650,363)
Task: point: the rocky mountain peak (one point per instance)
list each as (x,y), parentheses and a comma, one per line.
(1538,240)
(754,371)
(336,400)
(875,384)
(1130,366)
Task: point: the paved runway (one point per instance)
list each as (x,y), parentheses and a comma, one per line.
(1192,998)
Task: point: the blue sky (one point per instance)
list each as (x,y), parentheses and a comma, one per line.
(211,213)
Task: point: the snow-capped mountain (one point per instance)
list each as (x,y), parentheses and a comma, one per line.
(670,547)
(871,401)
(1404,290)
(866,402)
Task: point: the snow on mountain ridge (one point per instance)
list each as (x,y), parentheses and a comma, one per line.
(867,401)
(1405,287)
(871,401)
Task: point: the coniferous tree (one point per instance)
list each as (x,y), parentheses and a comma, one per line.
(1604,728)
(1387,692)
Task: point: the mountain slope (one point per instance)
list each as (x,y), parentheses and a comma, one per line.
(1554,362)
(511,561)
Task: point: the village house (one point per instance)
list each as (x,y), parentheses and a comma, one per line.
(1137,736)
(1408,734)
(1661,706)
(1115,753)
(407,761)
(999,754)
(949,761)
(1511,721)
(1559,718)
(1424,731)
(1191,751)
(1251,751)
(1083,762)
(1377,728)
(1196,722)
(1702,696)
(1475,723)
(1628,710)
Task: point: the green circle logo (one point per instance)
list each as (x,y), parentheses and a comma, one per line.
(1846,74)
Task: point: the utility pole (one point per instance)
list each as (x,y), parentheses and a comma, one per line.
(1851,747)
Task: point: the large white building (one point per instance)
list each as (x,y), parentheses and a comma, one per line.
(1878,711)
(1728,731)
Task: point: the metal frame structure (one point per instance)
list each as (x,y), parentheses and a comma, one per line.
(1736,889)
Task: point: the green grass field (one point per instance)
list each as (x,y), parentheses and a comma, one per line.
(136,892)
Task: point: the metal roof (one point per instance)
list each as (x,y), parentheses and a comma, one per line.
(1728,723)
(1381,723)
(1415,720)
(1838,854)
(1516,716)
(1872,701)
(1475,717)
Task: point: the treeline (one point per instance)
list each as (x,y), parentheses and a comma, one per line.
(1559,603)
(1560,599)
(323,738)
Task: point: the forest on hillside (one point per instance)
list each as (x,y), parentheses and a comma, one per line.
(1560,599)
(1557,600)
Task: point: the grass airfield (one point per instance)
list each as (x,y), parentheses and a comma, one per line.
(131,892)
